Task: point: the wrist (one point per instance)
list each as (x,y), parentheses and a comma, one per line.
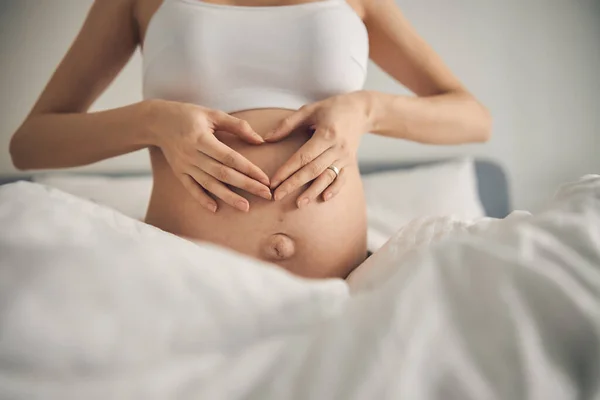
(146,120)
(382,106)
(370,104)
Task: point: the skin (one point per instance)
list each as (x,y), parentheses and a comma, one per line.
(208,165)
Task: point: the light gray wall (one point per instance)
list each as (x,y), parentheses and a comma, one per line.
(534,63)
(34,36)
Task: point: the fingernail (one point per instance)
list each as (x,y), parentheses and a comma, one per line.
(303,202)
(242,205)
(280,195)
(327,196)
(266,194)
(212,207)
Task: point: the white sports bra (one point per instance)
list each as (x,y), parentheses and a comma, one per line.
(235,58)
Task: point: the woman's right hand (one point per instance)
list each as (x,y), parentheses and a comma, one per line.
(185,134)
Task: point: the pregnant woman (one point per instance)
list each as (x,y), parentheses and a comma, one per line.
(253,112)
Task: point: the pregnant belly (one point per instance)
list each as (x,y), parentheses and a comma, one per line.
(323,239)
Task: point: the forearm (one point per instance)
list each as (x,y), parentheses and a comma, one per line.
(451,118)
(55,140)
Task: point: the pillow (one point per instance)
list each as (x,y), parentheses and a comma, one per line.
(394,198)
(128,195)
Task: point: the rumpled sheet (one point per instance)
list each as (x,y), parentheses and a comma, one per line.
(94,305)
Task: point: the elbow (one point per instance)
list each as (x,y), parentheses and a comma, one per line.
(17,155)
(484,125)
(476,119)
(480,121)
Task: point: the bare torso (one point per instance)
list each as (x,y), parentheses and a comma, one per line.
(324,239)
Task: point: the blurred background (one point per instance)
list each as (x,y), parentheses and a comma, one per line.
(534,63)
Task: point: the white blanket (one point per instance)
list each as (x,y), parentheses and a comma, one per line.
(95,305)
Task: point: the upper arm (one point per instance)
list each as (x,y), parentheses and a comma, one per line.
(103,46)
(398,49)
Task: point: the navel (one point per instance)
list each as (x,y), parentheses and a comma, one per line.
(278,247)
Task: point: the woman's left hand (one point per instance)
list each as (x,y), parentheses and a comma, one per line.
(338,124)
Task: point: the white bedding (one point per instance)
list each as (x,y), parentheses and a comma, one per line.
(96,305)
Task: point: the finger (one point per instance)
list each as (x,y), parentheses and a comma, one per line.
(288,124)
(305,155)
(238,127)
(335,187)
(225,155)
(305,174)
(316,188)
(198,193)
(232,177)
(219,189)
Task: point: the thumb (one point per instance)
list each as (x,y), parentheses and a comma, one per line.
(238,127)
(288,125)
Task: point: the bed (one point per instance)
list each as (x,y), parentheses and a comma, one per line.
(97,305)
